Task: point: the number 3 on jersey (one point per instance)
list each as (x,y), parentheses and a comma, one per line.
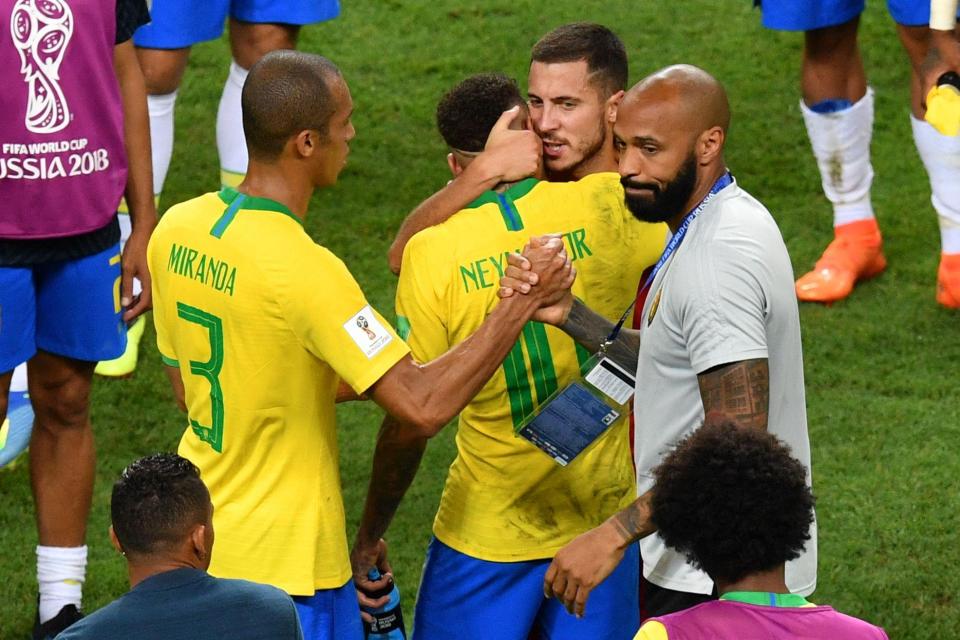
(209,370)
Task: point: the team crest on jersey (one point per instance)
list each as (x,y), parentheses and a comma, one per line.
(367,332)
(654,307)
(42,30)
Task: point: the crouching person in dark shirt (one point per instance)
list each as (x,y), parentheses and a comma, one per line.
(163,525)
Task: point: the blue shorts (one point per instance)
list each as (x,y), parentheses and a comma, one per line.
(806,15)
(182,23)
(469,599)
(330,614)
(69,308)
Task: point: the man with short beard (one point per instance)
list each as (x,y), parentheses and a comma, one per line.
(577,76)
(719,324)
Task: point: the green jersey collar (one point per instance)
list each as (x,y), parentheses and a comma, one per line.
(766,598)
(514,191)
(229,194)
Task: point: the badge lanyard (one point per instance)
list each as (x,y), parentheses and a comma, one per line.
(723,181)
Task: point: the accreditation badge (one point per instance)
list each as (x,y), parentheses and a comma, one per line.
(576,416)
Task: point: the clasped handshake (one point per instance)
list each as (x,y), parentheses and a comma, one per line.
(544,271)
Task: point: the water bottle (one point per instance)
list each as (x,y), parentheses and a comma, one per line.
(951,78)
(387,620)
(943,104)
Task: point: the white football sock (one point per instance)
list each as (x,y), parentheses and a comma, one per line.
(160,109)
(60,572)
(19,382)
(941,157)
(231,145)
(841,145)
(126,227)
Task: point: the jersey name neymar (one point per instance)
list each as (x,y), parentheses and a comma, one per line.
(262,323)
(504,499)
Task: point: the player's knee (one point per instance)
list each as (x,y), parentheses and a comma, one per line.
(162,69)
(61,404)
(250,42)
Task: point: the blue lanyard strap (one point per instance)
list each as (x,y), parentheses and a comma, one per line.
(723,181)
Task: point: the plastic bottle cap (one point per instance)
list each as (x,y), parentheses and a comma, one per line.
(943,109)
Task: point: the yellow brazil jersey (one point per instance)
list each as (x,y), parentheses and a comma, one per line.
(504,499)
(262,323)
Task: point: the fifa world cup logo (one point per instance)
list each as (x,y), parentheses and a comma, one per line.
(363,324)
(41,31)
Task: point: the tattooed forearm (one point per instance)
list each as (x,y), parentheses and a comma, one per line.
(739,391)
(591,329)
(634,522)
(395,463)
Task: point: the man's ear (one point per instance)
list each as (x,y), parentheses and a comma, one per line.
(306,143)
(198,536)
(115,541)
(612,104)
(710,144)
(454,164)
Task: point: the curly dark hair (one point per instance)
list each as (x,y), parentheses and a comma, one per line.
(467,113)
(156,501)
(733,500)
(603,51)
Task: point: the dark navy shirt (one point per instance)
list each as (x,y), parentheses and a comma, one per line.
(189,604)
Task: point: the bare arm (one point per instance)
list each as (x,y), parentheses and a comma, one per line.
(591,330)
(460,192)
(590,557)
(571,315)
(139,190)
(176,383)
(395,463)
(428,396)
(739,391)
(345,393)
(508,155)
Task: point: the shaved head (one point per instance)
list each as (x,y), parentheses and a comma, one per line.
(285,93)
(689,96)
(669,135)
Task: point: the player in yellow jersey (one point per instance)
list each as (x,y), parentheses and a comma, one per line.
(259,325)
(507,507)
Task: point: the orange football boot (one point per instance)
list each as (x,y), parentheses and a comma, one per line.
(856,253)
(948,280)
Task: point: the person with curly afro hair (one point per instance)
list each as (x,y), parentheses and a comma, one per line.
(736,503)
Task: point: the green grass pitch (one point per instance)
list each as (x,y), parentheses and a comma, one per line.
(880,367)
